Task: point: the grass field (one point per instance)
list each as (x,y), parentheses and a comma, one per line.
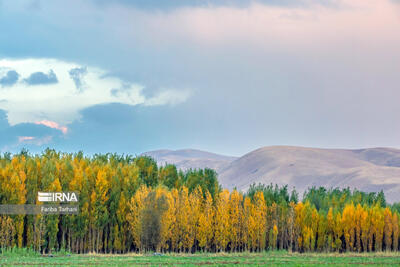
(27,258)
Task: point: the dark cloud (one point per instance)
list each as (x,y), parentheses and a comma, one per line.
(77,75)
(9,79)
(38,78)
(124,129)
(31,129)
(10,136)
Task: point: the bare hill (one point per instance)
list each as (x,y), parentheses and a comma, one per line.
(368,170)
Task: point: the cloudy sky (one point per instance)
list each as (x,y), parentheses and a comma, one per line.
(226,76)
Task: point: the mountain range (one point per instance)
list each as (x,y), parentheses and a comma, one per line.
(370,169)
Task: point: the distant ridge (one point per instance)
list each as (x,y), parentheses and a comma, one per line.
(190,158)
(370,169)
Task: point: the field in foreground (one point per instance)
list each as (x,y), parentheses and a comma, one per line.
(221,259)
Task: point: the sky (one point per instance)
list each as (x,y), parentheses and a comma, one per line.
(226,76)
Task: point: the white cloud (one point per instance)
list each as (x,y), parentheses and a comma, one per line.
(165,97)
(60,103)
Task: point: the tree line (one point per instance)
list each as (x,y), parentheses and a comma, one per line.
(129,204)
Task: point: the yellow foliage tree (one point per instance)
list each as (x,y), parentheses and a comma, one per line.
(205,226)
(222,224)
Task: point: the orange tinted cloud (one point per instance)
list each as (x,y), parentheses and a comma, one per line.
(22,139)
(35,140)
(54,125)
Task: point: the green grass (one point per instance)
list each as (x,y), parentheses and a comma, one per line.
(28,258)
